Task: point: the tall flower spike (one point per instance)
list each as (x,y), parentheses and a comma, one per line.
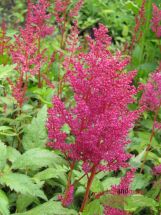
(151,97)
(122,189)
(18,90)
(100,120)
(37,17)
(156,21)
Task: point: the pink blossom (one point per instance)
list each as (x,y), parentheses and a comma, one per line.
(67,199)
(62,12)
(122,189)
(37,17)
(156,21)
(74,11)
(18,90)
(113,211)
(27,59)
(157,170)
(100,119)
(26,50)
(151,97)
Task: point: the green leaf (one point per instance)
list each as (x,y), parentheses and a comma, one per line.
(12,154)
(49,208)
(140,181)
(3,156)
(109,182)
(96,186)
(4,204)
(6,70)
(22,184)
(66,129)
(115,201)
(35,159)
(49,173)
(138,201)
(23,202)
(136,161)
(35,133)
(93,207)
(7,131)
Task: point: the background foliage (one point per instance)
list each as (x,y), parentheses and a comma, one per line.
(31,175)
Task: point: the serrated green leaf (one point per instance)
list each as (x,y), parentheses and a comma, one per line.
(23,202)
(108,182)
(49,208)
(115,201)
(4,204)
(138,201)
(49,173)
(21,183)
(96,186)
(3,155)
(37,158)
(12,154)
(140,181)
(7,131)
(6,70)
(93,207)
(35,134)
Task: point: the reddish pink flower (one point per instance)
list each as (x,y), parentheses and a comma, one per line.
(18,90)
(122,189)
(156,21)
(37,17)
(25,52)
(100,120)
(157,170)
(113,211)
(151,97)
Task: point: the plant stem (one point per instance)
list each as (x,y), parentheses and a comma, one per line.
(150,141)
(68,183)
(89,183)
(39,73)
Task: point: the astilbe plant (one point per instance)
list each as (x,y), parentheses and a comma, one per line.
(151,100)
(26,51)
(122,190)
(156,21)
(100,120)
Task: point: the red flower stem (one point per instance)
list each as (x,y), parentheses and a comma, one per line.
(39,73)
(76,181)
(89,183)
(150,141)
(68,183)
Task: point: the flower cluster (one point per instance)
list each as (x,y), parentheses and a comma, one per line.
(151,97)
(100,119)
(157,170)
(156,21)
(122,189)
(63,15)
(26,50)
(37,18)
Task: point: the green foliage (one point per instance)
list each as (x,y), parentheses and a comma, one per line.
(93,207)
(21,184)
(32,176)
(5,71)
(3,157)
(49,208)
(35,159)
(4,203)
(35,134)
